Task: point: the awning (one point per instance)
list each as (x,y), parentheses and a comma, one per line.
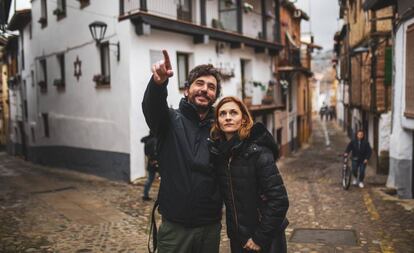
(374,5)
(19,20)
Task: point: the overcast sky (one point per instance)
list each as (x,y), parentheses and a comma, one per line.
(323,20)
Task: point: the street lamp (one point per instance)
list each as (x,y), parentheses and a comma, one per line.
(98,30)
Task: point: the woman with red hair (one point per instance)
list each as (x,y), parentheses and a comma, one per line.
(243,155)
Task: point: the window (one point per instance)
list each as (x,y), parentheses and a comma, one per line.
(60,81)
(32,130)
(290,88)
(26,114)
(24,97)
(22,46)
(33,77)
(45,117)
(43,13)
(30,30)
(228,16)
(182,69)
(278,94)
(409,74)
(184,10)
(60,10)
(43,74)
(104,78)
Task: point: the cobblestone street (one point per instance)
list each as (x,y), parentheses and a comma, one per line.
(55,210)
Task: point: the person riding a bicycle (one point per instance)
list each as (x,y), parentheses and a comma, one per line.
(361,152)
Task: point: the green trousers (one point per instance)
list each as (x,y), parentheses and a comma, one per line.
(174,238)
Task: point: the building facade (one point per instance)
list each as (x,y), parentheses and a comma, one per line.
(76,102)
(401,174)
(368,49)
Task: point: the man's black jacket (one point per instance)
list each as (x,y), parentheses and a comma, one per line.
(188,192)
(361,150)
(252,187)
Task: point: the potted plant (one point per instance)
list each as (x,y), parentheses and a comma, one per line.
(100,79)
(247,7)
(42,20)
(268,98)
(58,83)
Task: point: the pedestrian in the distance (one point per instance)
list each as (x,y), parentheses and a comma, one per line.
(361,152)
(189,199)
(256,200)
(323,111)
(150,149)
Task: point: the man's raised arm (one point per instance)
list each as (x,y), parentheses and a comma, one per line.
(154,104)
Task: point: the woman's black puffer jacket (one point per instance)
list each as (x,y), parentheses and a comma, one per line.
(251,186)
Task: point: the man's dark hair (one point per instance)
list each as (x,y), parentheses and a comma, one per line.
(204,70)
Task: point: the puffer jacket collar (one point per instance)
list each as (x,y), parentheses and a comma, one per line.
(190,111)
(259,137)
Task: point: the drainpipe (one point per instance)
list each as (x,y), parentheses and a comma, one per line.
(143,5)
(277,21)
(264,20)
(239,16)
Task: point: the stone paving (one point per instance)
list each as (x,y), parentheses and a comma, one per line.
(55,210)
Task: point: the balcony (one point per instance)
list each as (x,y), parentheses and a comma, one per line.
(229,21)
(291,61)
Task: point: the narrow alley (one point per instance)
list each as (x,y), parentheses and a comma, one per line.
(54,210)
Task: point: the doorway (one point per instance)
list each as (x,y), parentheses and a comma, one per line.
(412,167)
(246,73)
(23,139)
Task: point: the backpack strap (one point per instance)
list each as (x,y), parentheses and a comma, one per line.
(153,230)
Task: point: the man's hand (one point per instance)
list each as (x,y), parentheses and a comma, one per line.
(365,161)
(162,70)
(250,245)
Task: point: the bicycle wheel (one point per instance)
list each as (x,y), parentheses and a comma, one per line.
(346,176)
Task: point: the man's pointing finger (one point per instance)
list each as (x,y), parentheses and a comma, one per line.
(167,60)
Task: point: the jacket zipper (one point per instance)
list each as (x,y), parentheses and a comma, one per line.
(232,195)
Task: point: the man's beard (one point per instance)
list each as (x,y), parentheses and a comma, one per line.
(201,108)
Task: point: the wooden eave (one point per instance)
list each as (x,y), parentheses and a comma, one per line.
(366,39)
(172,25)
(257,109)
(311,45)
(19,20)
(306,71)
(375,5)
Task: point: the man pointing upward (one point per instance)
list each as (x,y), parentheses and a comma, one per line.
(189,200)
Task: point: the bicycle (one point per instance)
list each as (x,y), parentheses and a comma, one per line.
(346,173)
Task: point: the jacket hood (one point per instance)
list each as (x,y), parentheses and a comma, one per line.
(262,137)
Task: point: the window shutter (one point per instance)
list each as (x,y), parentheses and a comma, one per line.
(355,82)
(409,73)
(388,66)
